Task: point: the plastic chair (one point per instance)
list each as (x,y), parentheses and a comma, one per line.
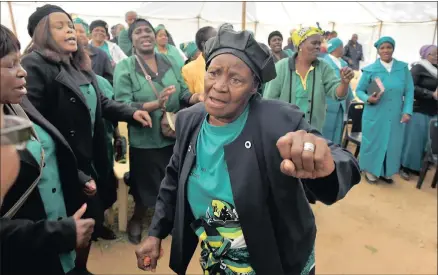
(431,153)
(355,111)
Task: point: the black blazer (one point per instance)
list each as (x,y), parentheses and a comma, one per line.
(29,233)
(425,85)
(277,221)
(101,64)
(54,93)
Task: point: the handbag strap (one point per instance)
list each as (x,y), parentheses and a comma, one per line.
(147,76)
(20,202)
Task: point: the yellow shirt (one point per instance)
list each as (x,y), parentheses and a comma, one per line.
(193,74)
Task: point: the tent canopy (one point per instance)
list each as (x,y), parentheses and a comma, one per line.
(412,24)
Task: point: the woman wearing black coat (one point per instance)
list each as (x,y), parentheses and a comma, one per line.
(63,88)
(236,179)
(425,77)
(47,225)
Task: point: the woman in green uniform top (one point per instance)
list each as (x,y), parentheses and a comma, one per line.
(306,81)
(385,113)
(63,88)
(164,47)
(334,119)
(235,180)
(47,224)
(150,150)
(275,42)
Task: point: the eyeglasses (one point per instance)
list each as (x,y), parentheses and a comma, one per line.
(16,131)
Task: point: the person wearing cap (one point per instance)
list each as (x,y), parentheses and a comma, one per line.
(334,119)
(236,178)
(99,31)
(123,40)
(100,61)
(150,150)
(194,72)
(47,223)
(190,50)
(425,77)
(63,88)
(275,41)
(115,32)
(163,46)
(385,113)
(306,81)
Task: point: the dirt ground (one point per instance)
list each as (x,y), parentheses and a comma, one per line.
(376,229)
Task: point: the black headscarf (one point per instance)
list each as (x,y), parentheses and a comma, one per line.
(274,33)
(137,22)
(40,13)
(242,45)
(98,23)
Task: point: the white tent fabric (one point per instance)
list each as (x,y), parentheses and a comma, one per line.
(411,24)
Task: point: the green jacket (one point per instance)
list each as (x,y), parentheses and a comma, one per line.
(131,86)
(326,82)
(124,43)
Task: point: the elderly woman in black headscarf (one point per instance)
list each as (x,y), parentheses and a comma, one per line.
(240,189)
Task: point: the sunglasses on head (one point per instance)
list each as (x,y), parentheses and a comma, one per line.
(16,131)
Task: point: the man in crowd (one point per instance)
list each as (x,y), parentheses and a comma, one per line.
(353,53)
(123,40)
(290,45)
(115,31)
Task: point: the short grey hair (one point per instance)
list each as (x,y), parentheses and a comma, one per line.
(126,14)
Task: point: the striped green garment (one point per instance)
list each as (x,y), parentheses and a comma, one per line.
(223,245)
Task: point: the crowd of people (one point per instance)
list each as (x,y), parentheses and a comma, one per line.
(223,131)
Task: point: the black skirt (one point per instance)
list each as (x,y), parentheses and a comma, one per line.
(147,170)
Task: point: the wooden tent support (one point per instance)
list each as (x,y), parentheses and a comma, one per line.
(434,32)
(11,14)
(255,28)
(243,15)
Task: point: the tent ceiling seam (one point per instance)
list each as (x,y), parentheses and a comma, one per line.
(287,13)
(200,11)
(367,10)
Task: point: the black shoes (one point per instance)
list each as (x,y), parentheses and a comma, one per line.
(135,228)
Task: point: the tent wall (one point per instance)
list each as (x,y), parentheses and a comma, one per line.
(182,19)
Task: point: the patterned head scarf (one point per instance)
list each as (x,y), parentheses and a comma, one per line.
(84,24)
(298,37)
(189,49)
(426,50)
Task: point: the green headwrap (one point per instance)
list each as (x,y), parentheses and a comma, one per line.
(189,49)
(83,23)
(159,28)
(385,39)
